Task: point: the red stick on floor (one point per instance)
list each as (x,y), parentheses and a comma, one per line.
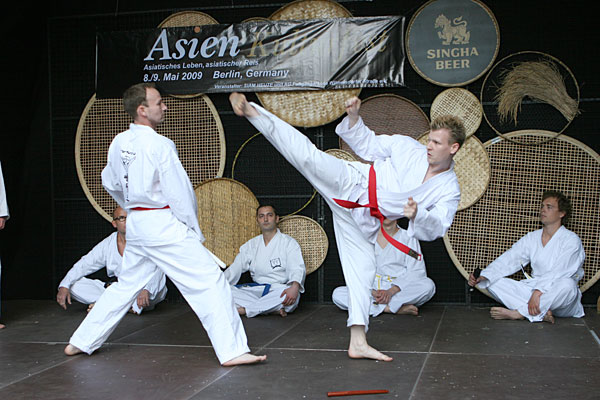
(354,392)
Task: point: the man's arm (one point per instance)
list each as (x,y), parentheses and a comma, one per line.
(508,263)
(240,264)
(93,261)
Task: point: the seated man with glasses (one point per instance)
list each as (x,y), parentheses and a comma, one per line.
(108,253)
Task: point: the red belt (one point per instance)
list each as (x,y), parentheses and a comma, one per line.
(148,209)
(374,208)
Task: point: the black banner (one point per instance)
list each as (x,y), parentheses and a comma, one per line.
(254,56)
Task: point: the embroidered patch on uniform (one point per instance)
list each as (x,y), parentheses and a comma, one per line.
(275,263)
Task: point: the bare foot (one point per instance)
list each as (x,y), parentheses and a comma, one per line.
(282,312)
(2,326)
(366,351)
(241,311)
(245,358)
(505,313)
(407,309)
(549,317)
(90,307)
(359,348)
(241,107)
(71,350)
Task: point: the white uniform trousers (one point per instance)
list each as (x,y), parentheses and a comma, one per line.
(252,299)
(332,178)
(563,298)
(191,268)
(416,293)
(88,291)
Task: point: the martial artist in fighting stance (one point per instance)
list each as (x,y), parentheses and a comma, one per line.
(108,253)
(401,284)
(407,179)
(556,257)
(276,266)
(146,178)
(4,215)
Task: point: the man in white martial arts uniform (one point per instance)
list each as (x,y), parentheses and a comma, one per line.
(276,266)
(4,215)
(145,177)
(401,284)
(407,179)
(556,257)
(108,253)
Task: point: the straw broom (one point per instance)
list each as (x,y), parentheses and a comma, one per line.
(538,80)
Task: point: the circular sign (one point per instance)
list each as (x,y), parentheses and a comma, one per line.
(452,42)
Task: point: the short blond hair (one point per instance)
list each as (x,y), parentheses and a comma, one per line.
(455,126)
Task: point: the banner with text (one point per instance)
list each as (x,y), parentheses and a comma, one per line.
(254,56)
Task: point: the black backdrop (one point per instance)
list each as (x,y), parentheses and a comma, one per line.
(48,77)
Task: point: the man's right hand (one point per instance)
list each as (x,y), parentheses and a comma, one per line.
(352,108)
(63,297)
(474,281)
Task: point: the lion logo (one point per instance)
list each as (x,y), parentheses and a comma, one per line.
(454,32)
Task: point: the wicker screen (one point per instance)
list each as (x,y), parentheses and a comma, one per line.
(310,236)
(227,216)
(462,104)
(538,98)
(389,114)
(192,124)
(510,206)
(308,108)
(472,168)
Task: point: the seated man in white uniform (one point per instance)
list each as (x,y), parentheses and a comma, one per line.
(276,266)
(4,215)
(406,179)
(556,257)
(401,284)
(108,253)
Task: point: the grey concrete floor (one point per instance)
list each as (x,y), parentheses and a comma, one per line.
(447,352)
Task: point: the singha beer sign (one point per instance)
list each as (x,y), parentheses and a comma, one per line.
(452,42)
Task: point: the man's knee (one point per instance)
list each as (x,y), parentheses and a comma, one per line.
(340,297)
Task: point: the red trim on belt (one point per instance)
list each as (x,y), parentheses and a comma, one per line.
(374,208)
(148,209)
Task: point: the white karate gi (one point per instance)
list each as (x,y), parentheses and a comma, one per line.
(106,254)
(3,213)
(400,163)
(143,170)
(395,268)
(278,264)
(556,268)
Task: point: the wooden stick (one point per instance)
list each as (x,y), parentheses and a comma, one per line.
(354,392)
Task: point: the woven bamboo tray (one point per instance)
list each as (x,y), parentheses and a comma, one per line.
(462,104)
(509,207)
(310,236)
(227,216)
(193,125)
(308,108)
(390,114)
(532,114)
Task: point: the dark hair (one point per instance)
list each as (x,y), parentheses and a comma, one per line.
(454,125)
(564,204)
(135,96)
(267,205)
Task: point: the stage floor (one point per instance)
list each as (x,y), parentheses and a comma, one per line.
(448,352)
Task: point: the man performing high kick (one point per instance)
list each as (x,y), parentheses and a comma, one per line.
(407,179)
(146,178)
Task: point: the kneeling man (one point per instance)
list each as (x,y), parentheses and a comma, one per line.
(401,284)
(556,257)
(108,253)
(276,266)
